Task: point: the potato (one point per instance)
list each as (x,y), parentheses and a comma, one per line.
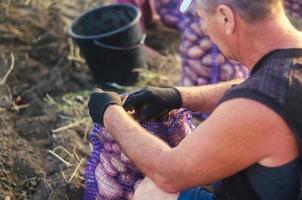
(185,45)
(205,43)
(108,147)
(238,75)
(296,15)
(116,148)
(101,138)
(207,60)
(118,164)
(202,26)
(240,72)
(220,59)
(163,11)
(196,28)
(124,158)
(202,81)
(187,82)
(296,7)
(189,35)
(193,63)
(107,186)
(226,72)
(164,2)
(127,179)
(107,166)
(108,137)
(190,74)
(199,69)
(195,52)
(171,19)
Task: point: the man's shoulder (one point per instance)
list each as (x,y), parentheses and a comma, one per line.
(270,78)
(253,112)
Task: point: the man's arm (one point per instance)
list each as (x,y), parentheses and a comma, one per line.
(224,144)
(205,98)
(152,101)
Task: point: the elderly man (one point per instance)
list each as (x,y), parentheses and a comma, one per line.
(251,142)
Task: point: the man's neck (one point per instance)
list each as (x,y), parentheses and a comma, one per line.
(278,34)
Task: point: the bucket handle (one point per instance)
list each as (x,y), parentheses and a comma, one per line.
(100,44)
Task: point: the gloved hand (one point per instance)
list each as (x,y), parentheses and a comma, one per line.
(99,102)
(153,101)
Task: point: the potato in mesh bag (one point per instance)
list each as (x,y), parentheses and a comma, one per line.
(109,173)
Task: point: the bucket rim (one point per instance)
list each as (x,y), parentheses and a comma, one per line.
(104,35)
(121,48)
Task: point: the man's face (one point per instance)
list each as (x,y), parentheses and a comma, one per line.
(215,29)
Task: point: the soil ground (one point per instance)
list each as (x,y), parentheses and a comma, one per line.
(44,87)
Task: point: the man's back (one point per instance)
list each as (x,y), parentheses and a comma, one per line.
(276,82)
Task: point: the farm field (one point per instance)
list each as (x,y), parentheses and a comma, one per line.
(44,87)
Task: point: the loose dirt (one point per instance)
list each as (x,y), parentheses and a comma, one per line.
(44,89)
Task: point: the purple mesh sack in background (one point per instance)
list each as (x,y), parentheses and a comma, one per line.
(202,62)
(294,8)
(146,6)
(168,11)
(109,174)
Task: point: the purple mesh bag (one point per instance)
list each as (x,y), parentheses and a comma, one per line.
(109,174)
(294,8)
(146,6)
(169,13)
(202,62)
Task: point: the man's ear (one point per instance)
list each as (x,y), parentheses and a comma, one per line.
(226,18)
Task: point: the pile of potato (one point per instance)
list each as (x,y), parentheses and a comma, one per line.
(169,13)
(202,62)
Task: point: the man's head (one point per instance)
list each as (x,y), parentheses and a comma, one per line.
(249,10)
(226,21)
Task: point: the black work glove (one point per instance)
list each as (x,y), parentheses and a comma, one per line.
(99,102)
(153,101)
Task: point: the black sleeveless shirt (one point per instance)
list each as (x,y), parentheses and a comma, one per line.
(275,81)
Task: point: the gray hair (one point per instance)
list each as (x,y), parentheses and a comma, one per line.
(249,10)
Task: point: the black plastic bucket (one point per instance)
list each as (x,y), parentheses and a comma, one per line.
(111,40)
